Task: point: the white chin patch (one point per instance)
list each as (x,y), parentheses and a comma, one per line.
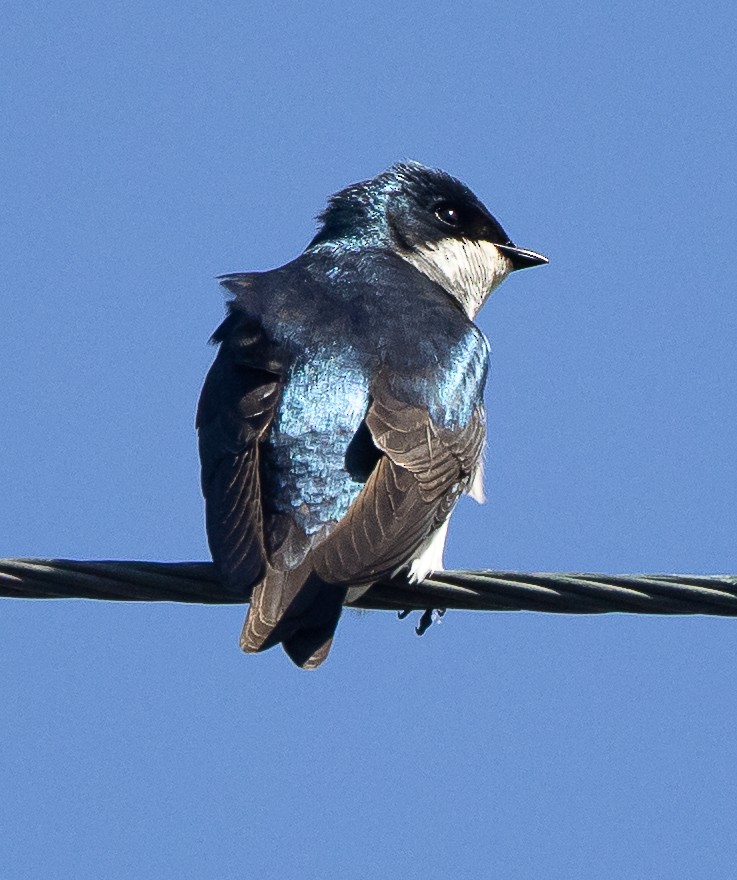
(468,270)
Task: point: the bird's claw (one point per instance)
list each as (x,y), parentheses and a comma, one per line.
(429,616)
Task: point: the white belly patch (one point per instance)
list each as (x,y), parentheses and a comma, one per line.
(430,555)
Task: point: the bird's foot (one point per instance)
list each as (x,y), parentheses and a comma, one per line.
(429,616)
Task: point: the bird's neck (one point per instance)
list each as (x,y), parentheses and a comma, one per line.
(468,270)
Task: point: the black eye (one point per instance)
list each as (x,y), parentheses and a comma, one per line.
(448,215)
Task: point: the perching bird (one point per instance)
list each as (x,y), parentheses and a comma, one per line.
(343,416)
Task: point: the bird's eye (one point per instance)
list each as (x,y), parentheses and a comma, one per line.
(448,215)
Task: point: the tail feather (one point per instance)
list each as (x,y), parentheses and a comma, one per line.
(297,609)
(309,648)
(262,617)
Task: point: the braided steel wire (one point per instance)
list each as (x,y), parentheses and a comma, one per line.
(562,593)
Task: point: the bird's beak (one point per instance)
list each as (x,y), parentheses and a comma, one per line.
(520,258)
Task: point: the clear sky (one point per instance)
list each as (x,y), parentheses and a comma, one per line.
(146,148)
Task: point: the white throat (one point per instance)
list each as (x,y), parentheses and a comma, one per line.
(468,270)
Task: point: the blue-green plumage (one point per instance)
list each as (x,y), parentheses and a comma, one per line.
(341,329)
(343,415)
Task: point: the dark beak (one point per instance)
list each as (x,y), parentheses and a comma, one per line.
(521,259)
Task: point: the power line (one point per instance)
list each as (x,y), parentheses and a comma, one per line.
(562,593)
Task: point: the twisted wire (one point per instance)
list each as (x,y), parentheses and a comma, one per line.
(561,593)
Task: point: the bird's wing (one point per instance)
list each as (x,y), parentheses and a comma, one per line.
(235,411)
(423,470)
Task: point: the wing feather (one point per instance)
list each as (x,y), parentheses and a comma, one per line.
(236,409)
(409,494)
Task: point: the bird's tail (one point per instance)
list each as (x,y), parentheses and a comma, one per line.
(297,609)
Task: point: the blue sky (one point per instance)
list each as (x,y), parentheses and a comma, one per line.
(149,147)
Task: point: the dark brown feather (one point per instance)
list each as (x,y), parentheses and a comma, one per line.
(236,408)
(300,583)
(409,494)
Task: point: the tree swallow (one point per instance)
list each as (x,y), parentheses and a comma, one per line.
(343,416)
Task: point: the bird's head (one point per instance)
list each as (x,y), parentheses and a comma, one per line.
(434,222)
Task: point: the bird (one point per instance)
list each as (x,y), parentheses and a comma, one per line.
(343,415)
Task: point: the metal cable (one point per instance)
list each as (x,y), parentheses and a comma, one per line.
(474,590)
